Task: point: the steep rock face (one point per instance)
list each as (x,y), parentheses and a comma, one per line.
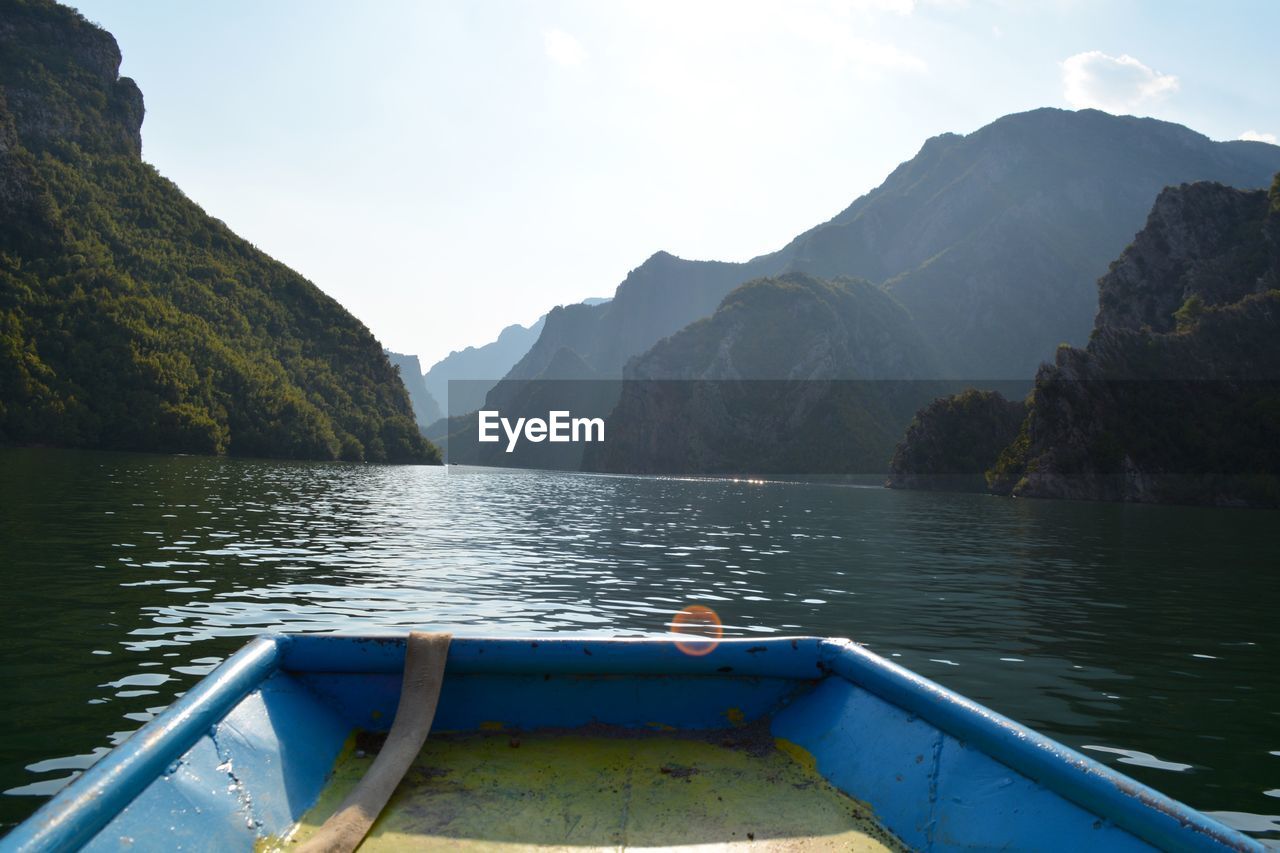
(61,81)
(129,319)
(1177,396)
(790,375)
(953,441)
(426,410)
(26,208)
(1191,248)
(992,241)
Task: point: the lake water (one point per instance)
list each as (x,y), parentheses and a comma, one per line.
(1148,637)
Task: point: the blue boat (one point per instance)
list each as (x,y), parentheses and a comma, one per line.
(795,743)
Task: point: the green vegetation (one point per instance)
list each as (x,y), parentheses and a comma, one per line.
(1011,463)
(129,318)
(952,442)
(1189,313)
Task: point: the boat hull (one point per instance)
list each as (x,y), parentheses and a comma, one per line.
(245,754)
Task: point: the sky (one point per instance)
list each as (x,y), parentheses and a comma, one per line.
(445,168)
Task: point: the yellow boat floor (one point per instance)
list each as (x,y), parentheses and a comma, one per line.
(607,789)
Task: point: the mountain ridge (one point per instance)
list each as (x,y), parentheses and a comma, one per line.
(482,366)
(993,241)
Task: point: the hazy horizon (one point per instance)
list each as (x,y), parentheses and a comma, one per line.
(445,171)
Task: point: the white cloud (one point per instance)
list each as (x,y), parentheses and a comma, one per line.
(1255,136)
(1117,84)
(562,48)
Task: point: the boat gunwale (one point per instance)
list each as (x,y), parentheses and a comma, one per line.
(80,811)
(77,813)
(1140,809)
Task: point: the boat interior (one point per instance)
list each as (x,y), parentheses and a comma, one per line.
(569,743)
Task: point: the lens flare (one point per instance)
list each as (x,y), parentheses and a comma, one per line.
(700,629)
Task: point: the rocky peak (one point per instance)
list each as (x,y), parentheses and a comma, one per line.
(1189,254)
(61,78)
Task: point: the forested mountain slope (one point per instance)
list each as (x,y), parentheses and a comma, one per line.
(131,319)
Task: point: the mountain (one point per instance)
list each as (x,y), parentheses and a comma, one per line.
(131,319)
(656,299)
(1176,397)
(791,375)
(995,241)
(992,242)
(483,366)
(426,409)
(575,388)
(795,327)
(488,362)
(951,443)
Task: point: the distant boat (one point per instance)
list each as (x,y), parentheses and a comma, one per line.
(797,743)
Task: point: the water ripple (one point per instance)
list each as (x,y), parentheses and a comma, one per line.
(131,576)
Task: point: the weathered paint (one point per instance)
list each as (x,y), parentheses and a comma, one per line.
(599,789)
(76,815)
(245,753)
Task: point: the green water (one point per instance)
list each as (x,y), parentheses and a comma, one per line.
(1145,636)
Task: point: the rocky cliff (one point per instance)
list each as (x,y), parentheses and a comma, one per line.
(130,319)
(426,409)
(62,83)
(1176,397)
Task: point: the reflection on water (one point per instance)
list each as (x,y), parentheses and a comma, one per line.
(1144,635)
